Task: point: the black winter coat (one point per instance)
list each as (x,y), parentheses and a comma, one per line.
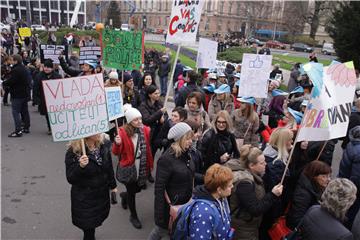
(318,224)
(354,121)
(134,100)
(90,201)
(175,175)
(213,145)
(151,115)
(184,93)
(42,76)
(164,69)
(19,82)
(306,194)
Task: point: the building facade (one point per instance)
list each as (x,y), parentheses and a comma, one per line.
(43,11)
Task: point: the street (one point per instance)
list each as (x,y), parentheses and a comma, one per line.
(36,196)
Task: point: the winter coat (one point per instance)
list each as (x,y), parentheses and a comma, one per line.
(199,165)
(185,92)
(42,76)
(125,151)
(252,203)
(19,81)
(350,168)
(216,106)
(134,99)
(326,156)
(319,224)
(151,115)
(213,145)
(293,80)
(354,121)
(175,175)
(242,125)
(71,71)
(164,69)
(161,140)
(202,220)
(198,118)
(90,201)
(355,227)
(306,194)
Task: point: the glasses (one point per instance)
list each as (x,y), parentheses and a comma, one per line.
(221,122)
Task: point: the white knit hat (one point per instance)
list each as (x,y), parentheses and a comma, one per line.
(178,130)
(113,75)
(131,114)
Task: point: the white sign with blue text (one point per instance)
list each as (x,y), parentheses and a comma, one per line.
(114,103)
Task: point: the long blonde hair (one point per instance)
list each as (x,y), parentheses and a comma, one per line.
(75,145)
(279,139)
(248,112)
(249,155)
(179,145)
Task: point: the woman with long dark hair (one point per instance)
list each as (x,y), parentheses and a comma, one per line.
(146,81)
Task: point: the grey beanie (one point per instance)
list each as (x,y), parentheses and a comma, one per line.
(178,130)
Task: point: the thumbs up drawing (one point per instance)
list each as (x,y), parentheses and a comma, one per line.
(257,63)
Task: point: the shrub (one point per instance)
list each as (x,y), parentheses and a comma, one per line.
(233,54)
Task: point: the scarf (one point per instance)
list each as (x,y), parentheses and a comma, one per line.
(142,167)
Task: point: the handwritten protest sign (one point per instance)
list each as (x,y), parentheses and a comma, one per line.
(52,52)
(25,32)
(255,70)
(114,103)
(76,107)
(89,53)
(327,114)
(207,52)
(184,21)
(123,50)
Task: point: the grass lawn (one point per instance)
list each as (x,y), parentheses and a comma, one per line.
(286,62)
(184,59)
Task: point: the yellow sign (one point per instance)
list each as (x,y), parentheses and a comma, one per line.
(25,32)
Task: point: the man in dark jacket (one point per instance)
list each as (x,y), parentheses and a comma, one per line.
(178,70)
(164,69)
(46,74)
(354,121)
(87,68)
(191,86)
(19,84)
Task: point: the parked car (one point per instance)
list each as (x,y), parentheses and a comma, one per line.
(275,44)
(328,49)
(265,51)
(301,47)
(256,41)
(38,27)
(4,26)
(90,26)
(159,31)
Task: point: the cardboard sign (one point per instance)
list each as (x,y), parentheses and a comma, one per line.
(255,70)
(76,107)
(123,50)
(52,52)
(25,32)
(328,112)
(184,21)
(114,103)
(207,53)
(89,53)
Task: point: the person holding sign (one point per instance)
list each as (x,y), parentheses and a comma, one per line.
(87,68)
(91,176)
(132,145)
(130,94)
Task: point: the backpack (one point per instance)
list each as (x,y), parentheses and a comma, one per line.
(180,229)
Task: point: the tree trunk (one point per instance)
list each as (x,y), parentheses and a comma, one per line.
(314,25)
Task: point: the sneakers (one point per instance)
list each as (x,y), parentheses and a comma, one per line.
(15,134)
(135,222)
(123,200)
(26,130)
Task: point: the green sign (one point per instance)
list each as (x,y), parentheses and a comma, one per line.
(123,50)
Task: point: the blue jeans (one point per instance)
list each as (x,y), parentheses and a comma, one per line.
(163,85)
(20,113)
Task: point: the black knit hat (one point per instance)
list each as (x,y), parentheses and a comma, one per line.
(127,77)
(48,63)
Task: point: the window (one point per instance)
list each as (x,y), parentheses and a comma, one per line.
(35,4)
(44,4)
(160,5)
(238,8)
(206,25)
(209,6)
(219,25)
(221,8)
(82,7)
(230,7)
(54,5)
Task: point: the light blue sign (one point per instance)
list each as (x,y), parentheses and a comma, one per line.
(114,103)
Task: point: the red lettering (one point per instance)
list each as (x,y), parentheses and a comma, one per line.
(63,92)
(96,84)
(84,90)
(172,31)
(74,87)
(185,13)
(57,89)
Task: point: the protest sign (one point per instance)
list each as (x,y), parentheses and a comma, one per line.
(89,53)
(25,32)
(114,103)
(327,114)
(76,107)
(123,50)
(255,70)
(207,52)
(184,21)
(52,52)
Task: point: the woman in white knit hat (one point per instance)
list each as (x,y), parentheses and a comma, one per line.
(132,145)
(113,80)
(174,177)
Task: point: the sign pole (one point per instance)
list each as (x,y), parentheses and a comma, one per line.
(83,146)
(172,75)
(322,149)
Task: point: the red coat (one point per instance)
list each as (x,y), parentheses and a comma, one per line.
(125,150)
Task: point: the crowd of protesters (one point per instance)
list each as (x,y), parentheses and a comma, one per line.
(226,153)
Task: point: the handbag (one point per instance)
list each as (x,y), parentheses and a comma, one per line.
(240,141)
(129,173)
(173,212)
(279,230)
